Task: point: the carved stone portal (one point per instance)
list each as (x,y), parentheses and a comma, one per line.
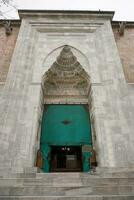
(66,78)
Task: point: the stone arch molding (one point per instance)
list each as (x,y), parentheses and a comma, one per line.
(66,80)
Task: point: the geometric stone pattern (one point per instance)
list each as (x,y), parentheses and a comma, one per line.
(66,79)
(112,100)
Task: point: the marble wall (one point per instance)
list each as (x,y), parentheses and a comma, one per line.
(21,102)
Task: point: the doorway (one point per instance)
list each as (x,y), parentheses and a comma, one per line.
(65,133)
(66,159)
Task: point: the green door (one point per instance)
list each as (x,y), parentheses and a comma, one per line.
(64,125)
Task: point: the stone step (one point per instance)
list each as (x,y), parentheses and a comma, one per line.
(80,182)
(64,181)
(122,174)
(89,197)
(67,191)
(119,175)
(129,174)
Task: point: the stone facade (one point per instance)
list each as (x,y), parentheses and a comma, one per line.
(111,98)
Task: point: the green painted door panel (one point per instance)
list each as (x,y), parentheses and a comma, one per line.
(45,149)
(64,125)
(86,163)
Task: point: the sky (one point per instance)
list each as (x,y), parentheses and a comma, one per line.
(124,9)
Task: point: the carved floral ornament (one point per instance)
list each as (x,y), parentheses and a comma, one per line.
(66,76)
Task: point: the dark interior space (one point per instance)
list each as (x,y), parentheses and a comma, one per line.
(66,159)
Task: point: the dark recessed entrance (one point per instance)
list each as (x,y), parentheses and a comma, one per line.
(66,159)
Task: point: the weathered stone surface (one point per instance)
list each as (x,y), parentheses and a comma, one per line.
(68,186)
(112,100)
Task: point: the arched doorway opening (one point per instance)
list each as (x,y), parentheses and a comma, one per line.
(66,141)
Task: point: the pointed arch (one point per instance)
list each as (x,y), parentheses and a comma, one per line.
(66,80)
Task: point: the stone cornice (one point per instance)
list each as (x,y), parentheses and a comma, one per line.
(15,22)
(65,13)
(128,24)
